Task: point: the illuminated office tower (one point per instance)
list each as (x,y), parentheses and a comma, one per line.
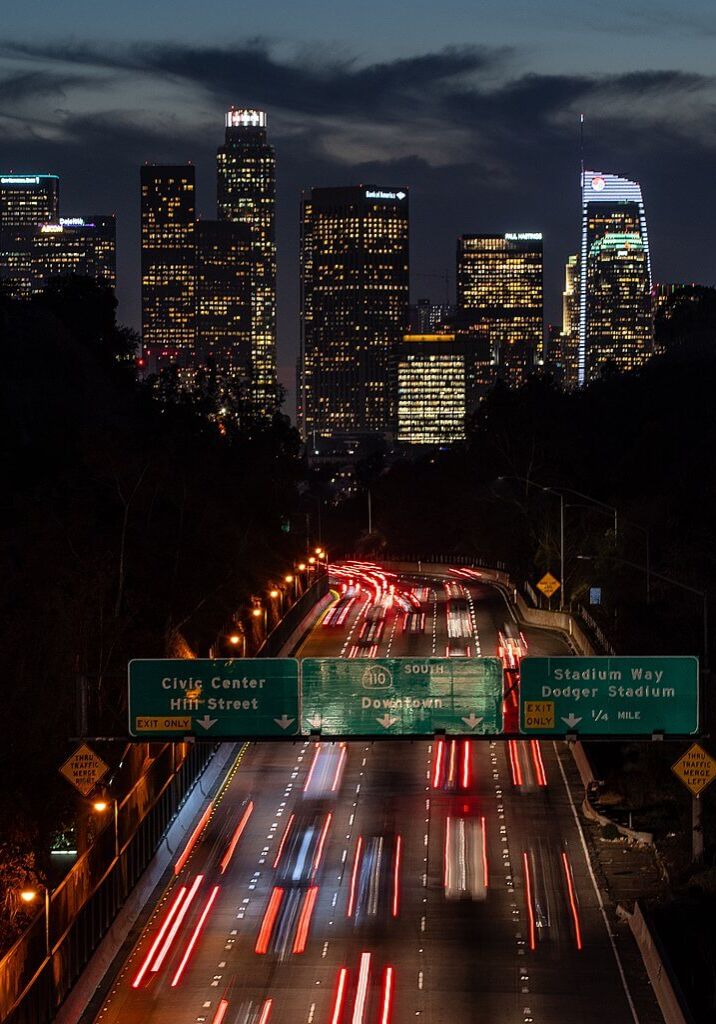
(615,321)
(168,216)
(28,200)
(223,299)
(569,335)
(246,193)
(31,255)
(428,317)
(499,299)
(79,245)
(354,308)
(431,395)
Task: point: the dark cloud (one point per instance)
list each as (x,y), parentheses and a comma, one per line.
(483,145)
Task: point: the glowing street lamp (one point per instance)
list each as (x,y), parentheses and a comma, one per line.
(101,804)
(29,896)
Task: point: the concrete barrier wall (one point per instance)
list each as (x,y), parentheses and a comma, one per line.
(84,989)
(659,974)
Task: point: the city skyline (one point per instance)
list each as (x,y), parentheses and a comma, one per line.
(489,144)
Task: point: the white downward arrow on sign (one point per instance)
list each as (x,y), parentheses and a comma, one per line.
(472,720)
(386,721)
(315,722)
(284,721)
(206,722)
(571,720)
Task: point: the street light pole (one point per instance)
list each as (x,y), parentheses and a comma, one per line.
(48,948)
(675,583)
(561,552)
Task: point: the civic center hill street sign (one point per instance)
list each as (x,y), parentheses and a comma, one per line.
(235,699)
(609,696)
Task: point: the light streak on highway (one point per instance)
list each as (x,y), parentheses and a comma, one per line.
(340,996)
(160,937)
(272,909)
(572,900)
(387,996)
(354,878)
(226,859)
(193,839)
(361,989)
(529,898)
(304,920)
(396,876)
(195,936)
(176,925)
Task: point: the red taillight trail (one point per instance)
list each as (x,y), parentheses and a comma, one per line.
(538,762)
(195,936)
(312,769)
(176,924)
(321,844)
(446,853)
(304,920)
(274,904)
(465,764)
(193,838)
(361,989)
(530,908)
(485,873)
(340,996)
(265,1012)
(396,876)
(226,860)
(517,779)
(284,837)
(438,763)
(339,768)
(387,996)
(220,1011)
(354,877)
(160,936)
(572,900)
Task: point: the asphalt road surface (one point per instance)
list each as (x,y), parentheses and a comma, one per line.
(395,881)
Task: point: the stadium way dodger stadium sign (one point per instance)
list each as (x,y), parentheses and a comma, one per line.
(609,696)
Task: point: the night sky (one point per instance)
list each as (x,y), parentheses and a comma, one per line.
(474,105)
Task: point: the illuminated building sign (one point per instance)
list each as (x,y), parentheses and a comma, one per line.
(25,179)
(74,222)
(375,193)
(524,236)
(51,229)
(246,119)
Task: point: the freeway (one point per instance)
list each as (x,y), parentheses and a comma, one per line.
(380,883)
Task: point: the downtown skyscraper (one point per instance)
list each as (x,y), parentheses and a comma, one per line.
(354,308)
(246,194)
(168,225)
(615,318)
(500,300)
(37,244)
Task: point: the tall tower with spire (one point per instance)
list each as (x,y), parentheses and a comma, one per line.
(246,193)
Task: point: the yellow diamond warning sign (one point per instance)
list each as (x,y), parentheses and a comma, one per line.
(696,768)
(539,714)
(84,769)
(548,584)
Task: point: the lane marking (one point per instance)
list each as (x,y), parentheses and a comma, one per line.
(597,892)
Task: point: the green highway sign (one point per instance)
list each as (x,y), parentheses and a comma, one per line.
(609,696)
(401,696)
(235,699)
